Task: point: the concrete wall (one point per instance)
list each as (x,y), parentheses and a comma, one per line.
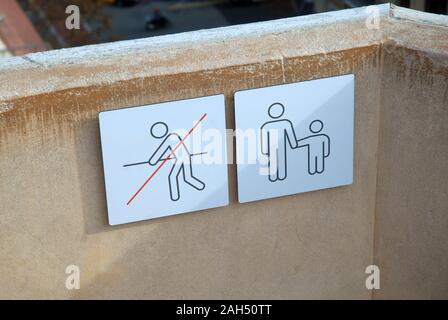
(412,194)
(312,245)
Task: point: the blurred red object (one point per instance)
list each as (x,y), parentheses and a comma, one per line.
(16,30)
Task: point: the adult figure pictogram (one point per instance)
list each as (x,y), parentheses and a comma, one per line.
(276,136)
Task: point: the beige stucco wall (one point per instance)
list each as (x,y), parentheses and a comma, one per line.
(412,195)
(312,245)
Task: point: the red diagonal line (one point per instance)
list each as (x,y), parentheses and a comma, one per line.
(166,159)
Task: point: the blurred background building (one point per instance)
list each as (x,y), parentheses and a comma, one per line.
(17,34)
(37,25)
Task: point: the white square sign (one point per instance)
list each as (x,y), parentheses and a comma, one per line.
(164,159)
(294,138)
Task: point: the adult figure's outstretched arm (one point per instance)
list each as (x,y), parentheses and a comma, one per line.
(291,135)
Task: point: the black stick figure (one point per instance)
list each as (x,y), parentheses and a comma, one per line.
(275,136)
(180,159)
(318,147)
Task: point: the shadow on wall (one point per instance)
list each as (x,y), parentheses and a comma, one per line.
(91,176)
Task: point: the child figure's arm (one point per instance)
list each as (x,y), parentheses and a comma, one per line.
(302,142)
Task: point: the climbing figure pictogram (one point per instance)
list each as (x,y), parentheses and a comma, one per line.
(174,150)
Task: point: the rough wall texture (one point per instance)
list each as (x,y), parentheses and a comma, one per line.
(412,197)
(312,245)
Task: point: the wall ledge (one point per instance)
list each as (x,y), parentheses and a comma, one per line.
(56,70)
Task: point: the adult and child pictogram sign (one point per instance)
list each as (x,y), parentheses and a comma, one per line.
(305,141)
(171,158)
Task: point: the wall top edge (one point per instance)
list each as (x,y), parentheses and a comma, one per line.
(41,72)
(99,51)
(63,56)
(400,13)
